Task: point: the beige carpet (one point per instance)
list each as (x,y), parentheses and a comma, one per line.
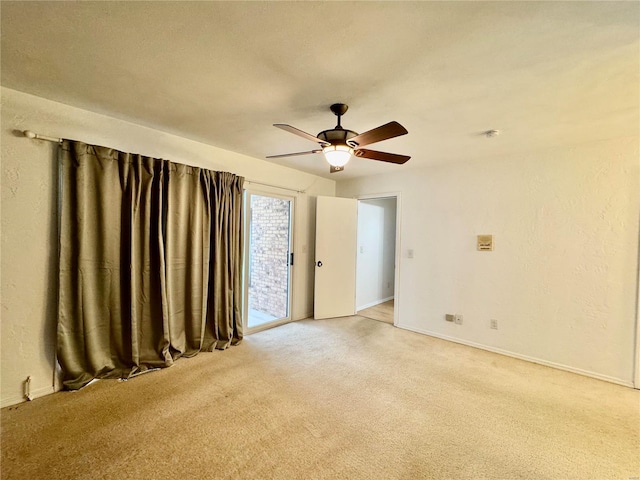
(347,398)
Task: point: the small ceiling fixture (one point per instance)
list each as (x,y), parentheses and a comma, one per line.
(491,133)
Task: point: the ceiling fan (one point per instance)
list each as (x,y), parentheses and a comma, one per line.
(339,144)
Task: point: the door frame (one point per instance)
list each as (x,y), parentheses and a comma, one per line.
(246,194)
(398,253)
(636,366)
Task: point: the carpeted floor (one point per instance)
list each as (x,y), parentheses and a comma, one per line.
(348,398)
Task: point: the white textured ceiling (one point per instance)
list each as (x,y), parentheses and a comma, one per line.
(545,74)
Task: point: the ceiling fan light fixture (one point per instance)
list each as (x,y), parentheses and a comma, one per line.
(337,155)
(339,144)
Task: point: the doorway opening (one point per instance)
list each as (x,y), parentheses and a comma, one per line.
(268,260)
(376,258)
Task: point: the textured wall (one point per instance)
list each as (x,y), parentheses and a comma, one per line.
(269,252)
(29,225)
(562,279)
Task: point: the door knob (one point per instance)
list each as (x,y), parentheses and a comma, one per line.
(319,263)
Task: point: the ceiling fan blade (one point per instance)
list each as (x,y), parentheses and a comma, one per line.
(333,169)
(384,132)
(300,133)
(382,156)
(294,154)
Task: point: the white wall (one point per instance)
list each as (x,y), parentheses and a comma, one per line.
(29,228)
(562,279)
(376,251)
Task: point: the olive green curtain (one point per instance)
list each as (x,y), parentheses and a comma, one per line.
(150,262)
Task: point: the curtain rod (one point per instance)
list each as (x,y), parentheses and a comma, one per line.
(36,136)
(30,134)
(274,186)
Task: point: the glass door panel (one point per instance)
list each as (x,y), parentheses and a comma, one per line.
(269,256)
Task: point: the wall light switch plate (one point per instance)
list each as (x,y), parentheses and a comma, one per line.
(410,253)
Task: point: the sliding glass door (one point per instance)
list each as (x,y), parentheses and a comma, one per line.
(268,259)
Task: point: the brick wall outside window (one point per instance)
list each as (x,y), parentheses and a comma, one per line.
(269,255)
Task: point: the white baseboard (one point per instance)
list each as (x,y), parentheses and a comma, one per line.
(36,393)
(373,304)
(527,358)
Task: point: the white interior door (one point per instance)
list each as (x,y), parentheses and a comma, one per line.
(335,277)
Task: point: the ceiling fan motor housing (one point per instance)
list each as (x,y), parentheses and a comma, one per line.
(337,136)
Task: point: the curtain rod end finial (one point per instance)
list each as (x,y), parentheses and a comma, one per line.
(29,134)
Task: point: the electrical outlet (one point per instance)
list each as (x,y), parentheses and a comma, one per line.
(458,319)
(494,324)
(388,284)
